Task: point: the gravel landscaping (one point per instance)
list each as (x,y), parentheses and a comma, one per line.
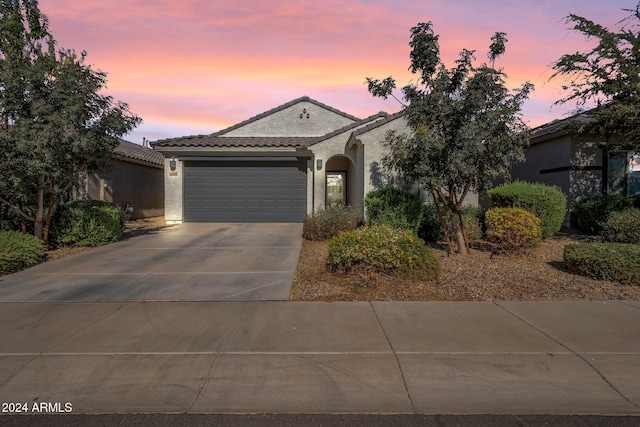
(537,276)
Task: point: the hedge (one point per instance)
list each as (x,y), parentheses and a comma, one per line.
(87,223)
(19,251)
(547,202)
(385,249)
(618,262)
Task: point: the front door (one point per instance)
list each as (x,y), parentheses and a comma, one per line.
(336,188)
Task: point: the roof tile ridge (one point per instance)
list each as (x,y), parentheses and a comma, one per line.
(378,123)
(175,138)
(131,150)
(360,122)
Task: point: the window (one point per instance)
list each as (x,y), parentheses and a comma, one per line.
(624,173)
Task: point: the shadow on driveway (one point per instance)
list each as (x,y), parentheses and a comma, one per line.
(186,262)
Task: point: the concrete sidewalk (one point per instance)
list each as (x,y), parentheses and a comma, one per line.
(302,358)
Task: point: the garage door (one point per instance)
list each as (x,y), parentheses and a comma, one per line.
(245,191)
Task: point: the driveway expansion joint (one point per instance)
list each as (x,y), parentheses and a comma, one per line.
(580,356)
(217,354)
(395,357)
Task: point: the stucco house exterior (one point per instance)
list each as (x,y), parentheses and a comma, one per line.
(136,180)
(277,166)
(580,165)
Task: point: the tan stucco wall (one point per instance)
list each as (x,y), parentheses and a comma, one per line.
(364,154)
(288,122)
(173,180)
(324,151)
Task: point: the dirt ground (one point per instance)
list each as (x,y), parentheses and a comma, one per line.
(538,276)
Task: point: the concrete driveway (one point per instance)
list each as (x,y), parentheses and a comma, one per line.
(186,262)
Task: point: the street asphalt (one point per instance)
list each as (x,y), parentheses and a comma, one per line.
(183,359)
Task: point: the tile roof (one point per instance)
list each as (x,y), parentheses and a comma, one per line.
(219,140)
(235,141)
(559,125)
(129,150)
(378,123)
(377,116)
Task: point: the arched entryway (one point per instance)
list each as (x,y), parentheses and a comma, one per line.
(339,181)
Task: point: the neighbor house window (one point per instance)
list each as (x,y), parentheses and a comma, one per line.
(624,173)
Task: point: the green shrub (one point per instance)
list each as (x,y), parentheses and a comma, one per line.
(394,207)
(87,223)
(546,202)
(592,211)
(472,216)
(622,226)
(385,249)
(327,223)
(19,251)
(618,262)
(512,229)
(430,229)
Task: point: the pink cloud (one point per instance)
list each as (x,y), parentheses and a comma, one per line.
(195,64)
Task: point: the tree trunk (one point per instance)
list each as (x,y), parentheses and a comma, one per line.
(455,225)
(462,247)
(464,232)
(40,212)
(49,212)
(443,224)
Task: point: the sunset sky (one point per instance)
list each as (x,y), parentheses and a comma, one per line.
(197,66)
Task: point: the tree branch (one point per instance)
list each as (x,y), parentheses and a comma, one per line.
(15,208)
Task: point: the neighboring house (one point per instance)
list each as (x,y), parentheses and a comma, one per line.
(136,181)
(277,166)
(580,165)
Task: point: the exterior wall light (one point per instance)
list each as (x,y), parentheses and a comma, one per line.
(319,164)
(172,163)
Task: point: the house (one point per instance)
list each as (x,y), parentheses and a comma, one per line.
(277,166)
(136,181)
(580,165)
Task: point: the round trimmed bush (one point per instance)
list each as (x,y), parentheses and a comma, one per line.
(384,248)
(327,223)
(394,207)
(622,226)
(19,251)
(546,202)
(87,223)
(618,262)
(592,211)
(512,229)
